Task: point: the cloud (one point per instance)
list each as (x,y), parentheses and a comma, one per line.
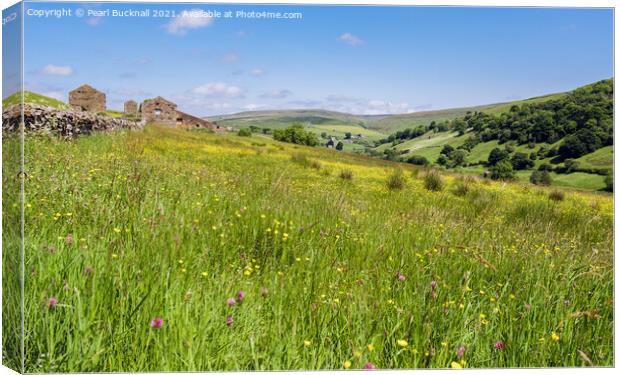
(218,89)
(355,105)
(57,70)
(188,20)
(257,72)
(351,39)
(253,107)
(277,94)
(230,58)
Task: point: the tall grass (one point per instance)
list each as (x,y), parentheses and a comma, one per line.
(128,227)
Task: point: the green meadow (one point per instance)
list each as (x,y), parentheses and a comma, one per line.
(171,250)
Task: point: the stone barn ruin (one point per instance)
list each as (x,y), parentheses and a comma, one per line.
(131,107)
(87,98)
(161,111)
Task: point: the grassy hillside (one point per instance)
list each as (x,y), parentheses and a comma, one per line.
(169,250)
(31,97)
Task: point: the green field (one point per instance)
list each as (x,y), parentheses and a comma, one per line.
(30,97)
(136,241)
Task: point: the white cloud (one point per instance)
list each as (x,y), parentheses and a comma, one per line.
(219,89)
(257,72)
(230,58)
(351,39)
(277,94)
(253,107)
(57,70)
(188,20)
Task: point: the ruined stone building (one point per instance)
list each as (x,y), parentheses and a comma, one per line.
(161,111)
(131,107)
(86,98)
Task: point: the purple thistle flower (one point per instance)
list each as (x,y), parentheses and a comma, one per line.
(433,285)
(231,301)
(400,276)
(52,301)
(499,345)
(157,322)
(369,366)
(88,270)
(240,296)
(69,239)
(460,352)
(229,320)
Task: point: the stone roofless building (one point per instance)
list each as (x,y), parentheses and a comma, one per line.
(87,98)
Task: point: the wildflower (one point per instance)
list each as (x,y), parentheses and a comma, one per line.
(499,345)
(369,366)
(347,364)
(528,307)
(402,343)
(231,301)
(157,322)
(307,343)
(88,270)
(52,301)
(456,365)
(69,239)
(370,347)
(117,230)
(460,352)
(240,296)
(400,276)
(205,274)
(264,291)
(229,320)
(555,337)
(433,285)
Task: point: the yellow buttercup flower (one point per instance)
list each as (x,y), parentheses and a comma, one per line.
(455,365)
(555,336)
(370,347)
(402,343)
(347,364)
(307,343)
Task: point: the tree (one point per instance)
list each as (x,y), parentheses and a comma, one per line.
(296,134)
(496,155)
(521,161)
(244,132)
(609,182)
(418,160)
(447,150)
(540,178)
(339,146)
(502,171)
(458,157)
(442,160)
(347,135)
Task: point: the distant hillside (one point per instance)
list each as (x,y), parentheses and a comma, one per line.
(276,119)
(31,97)
(385,124)
(570,135)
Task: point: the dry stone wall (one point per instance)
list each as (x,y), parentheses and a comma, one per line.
(65,123)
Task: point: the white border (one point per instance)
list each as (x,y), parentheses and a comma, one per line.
(485,3)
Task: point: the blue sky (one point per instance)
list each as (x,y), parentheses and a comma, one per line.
(363,60)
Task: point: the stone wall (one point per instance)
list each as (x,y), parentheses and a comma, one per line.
(65,123)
